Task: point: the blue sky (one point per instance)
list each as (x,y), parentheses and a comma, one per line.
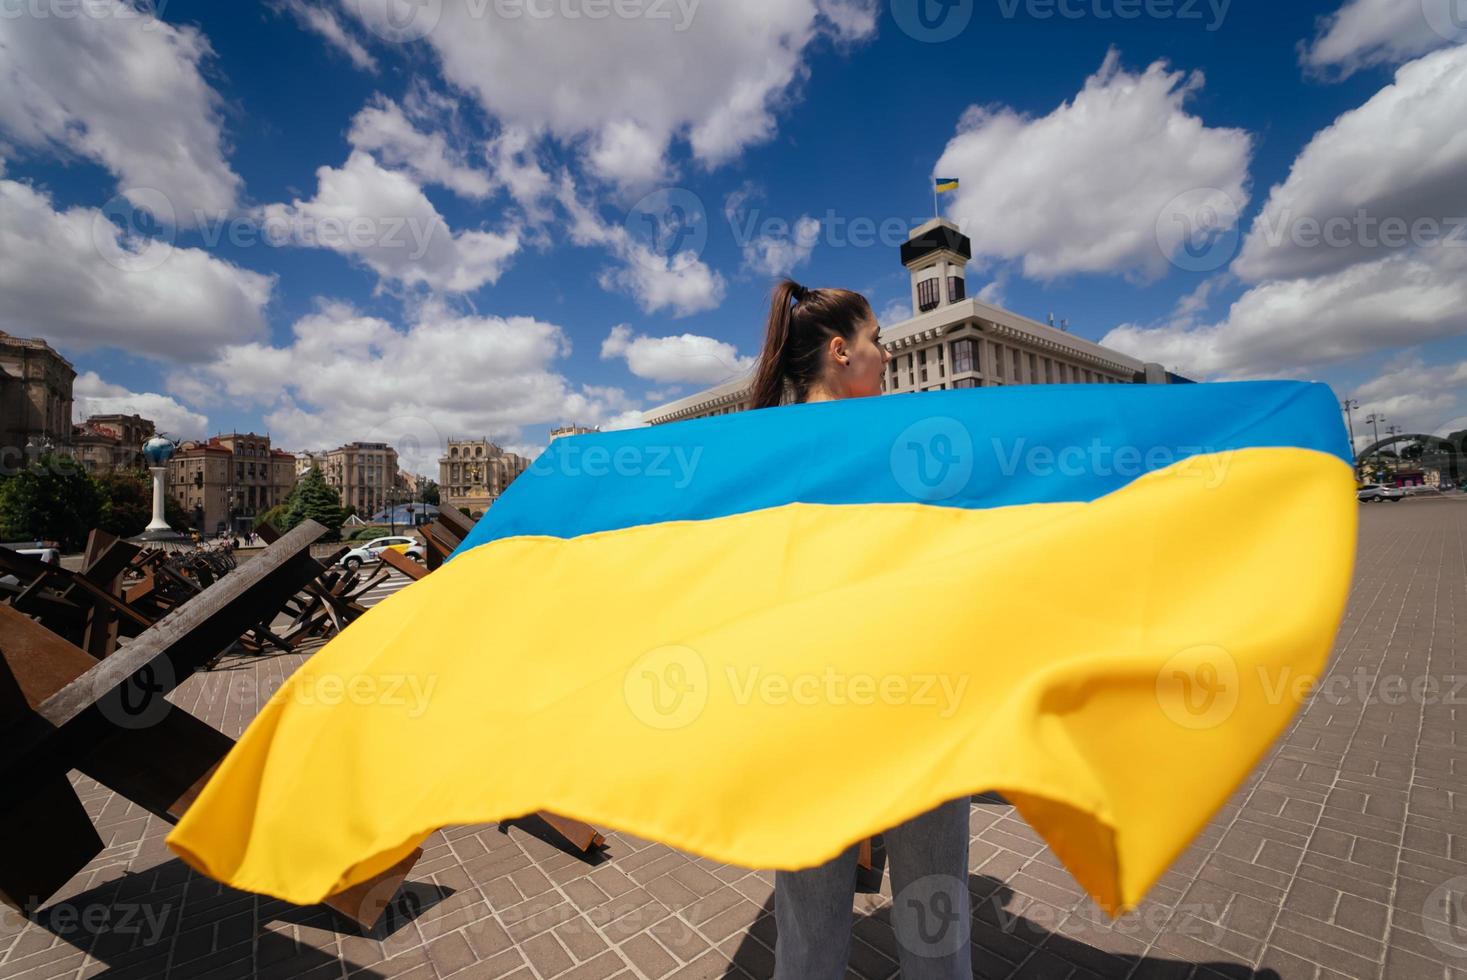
(456,200)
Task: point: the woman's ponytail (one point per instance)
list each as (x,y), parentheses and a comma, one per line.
(769,379)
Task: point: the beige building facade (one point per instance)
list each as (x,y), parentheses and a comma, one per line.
(474,472)
(227,481)
(35,399)
(363,473)
(108,443)
(953,341)
(570,430)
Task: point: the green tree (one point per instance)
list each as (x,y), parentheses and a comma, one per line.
(314,499)
(276,515)
(52,500)
(428,493)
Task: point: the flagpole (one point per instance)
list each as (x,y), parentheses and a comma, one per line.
(936,214)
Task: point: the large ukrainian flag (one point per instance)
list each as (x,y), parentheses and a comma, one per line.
(763,636)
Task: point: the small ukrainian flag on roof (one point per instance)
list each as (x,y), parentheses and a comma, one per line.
(944,184)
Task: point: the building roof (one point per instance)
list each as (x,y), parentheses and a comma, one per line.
(1004,323)
(993,320)
(734,390)
(935,236)
(34,343)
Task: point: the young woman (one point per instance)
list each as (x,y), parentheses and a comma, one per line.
(823,344)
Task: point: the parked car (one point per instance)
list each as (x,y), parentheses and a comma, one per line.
(1375,493)
(372,551)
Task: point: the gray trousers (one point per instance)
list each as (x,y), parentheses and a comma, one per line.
(928,860)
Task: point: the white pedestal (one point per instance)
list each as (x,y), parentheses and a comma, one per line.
(160,487)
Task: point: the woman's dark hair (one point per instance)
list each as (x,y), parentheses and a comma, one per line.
(801,322)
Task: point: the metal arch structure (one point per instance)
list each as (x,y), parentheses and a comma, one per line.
(1449,453)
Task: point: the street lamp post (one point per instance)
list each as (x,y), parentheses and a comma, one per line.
(1375,418)
(1349,405)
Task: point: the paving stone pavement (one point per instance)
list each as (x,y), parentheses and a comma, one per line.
(1344,856)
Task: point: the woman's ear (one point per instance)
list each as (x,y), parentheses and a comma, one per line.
(838,352)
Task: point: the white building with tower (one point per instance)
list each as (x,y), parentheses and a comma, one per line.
(953,341)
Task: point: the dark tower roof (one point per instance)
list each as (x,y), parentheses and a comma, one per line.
(935,239)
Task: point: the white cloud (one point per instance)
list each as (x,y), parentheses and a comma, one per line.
(626,152)
(685,358)
(385,130)
(1322,300)
(324,22)
(346,376)
(1421,399)
(512,155)
(93,396)
(852,20)
(118,86)
(382,218)
(896,311)
(677,281)
(714,74)
(1299,324)
(1399,158)
(1363,33)
(780,253)
(75,279)
(993,293)
(1082,189)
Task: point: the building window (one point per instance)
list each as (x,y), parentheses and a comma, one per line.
(955,288)
(965,355)
(927,298)
(1033,369)
(998,364)
(1018,366)
(1048,371)
(966,383)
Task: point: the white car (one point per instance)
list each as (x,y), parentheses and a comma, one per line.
(372,551)
(1377,493)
